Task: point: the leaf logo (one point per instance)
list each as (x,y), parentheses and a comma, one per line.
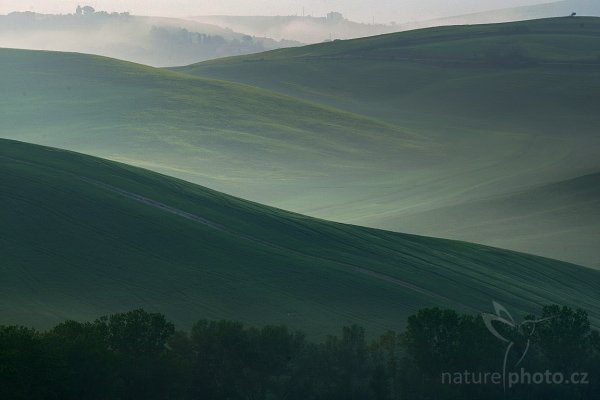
(503,316)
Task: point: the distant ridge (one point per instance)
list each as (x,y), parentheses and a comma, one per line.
(564,8)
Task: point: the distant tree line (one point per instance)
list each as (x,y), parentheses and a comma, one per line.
(185,37)
(140,355)
(139,39)
(202,41)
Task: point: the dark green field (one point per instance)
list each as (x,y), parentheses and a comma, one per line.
(84,236)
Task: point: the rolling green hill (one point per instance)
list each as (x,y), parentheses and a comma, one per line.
(368,131)
(231,137)
(84,236)
(514,104)
(533,78)
(492,47)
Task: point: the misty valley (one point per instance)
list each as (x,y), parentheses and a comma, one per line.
(197,203)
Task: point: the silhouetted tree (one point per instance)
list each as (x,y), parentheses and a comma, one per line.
(88,10)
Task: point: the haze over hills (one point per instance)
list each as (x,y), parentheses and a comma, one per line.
(84,236)
(235,138)
(148,40)
(309,29)
(402,130)
(217,224)
(513,103)
(305,29)
(558,220)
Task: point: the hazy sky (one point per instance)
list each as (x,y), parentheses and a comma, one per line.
(358,10)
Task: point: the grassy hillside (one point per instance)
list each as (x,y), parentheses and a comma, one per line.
(83,236)
(514,104)
(401,128)
(231,137)
(477,71)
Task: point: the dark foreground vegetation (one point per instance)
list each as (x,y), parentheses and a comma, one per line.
(139,355)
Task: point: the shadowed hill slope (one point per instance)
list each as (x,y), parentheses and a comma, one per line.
(84,236)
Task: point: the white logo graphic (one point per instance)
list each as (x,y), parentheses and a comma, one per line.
(503,316)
